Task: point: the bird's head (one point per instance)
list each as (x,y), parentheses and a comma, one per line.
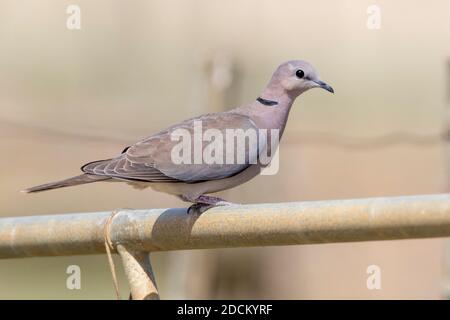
(295,77)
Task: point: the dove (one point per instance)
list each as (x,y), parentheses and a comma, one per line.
(150,162)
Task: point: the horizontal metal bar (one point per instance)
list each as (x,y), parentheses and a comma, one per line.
(229,226)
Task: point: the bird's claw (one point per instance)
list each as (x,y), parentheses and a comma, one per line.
(198,208)
(203,203)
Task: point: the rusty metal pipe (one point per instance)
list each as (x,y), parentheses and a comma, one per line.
(233,226)
(139,272)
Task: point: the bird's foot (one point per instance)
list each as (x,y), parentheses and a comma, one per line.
(198,208)
(210,200)
(203,203)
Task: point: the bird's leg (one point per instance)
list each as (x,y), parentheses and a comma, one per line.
(203,203)
(214,201)
(198,208)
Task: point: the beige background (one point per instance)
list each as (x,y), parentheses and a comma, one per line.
(69,97)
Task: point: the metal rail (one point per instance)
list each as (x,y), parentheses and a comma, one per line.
(135,233)
(231,226)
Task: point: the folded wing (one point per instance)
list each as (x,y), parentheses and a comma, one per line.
(151,159)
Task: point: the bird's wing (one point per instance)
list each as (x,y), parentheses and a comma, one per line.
(152,160)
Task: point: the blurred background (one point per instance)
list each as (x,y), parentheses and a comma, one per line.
(69,96)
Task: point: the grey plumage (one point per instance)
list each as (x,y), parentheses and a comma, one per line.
(73,181)
(148,162)
(150,159)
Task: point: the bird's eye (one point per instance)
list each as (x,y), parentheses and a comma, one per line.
(300,74)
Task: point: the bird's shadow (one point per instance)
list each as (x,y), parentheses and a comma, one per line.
(172,228)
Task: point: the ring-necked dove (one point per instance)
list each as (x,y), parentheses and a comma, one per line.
(149,162)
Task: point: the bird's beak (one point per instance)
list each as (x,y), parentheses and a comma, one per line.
(325,86)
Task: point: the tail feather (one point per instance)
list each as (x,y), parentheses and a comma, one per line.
(73,181)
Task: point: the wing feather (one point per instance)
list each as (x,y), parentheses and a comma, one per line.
(150,159)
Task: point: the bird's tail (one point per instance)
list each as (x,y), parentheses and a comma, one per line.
(81,179)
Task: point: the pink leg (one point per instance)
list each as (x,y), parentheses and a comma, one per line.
(203,203)
(209,200)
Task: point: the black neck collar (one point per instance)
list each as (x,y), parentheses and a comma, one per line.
(267,102)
